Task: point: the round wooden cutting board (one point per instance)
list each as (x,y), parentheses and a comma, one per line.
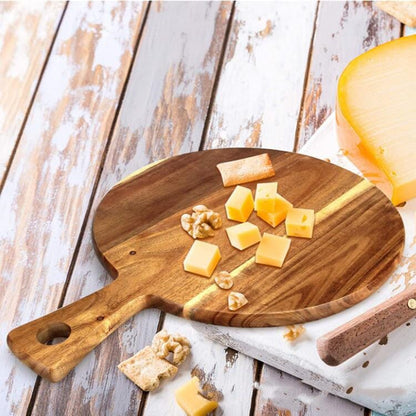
(358,238)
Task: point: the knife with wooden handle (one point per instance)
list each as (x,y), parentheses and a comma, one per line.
(343,342)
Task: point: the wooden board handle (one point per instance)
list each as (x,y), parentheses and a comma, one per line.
(85,324)
(347,340)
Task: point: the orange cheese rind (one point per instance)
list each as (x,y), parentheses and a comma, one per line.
(375,116)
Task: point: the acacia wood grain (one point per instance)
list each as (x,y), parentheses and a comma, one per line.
(355,246)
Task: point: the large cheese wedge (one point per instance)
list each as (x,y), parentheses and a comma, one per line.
(376,116)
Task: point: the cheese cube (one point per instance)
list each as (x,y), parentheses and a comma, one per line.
(272,218)
(265,193)
(240,204)
(272,250)
(202,258)
(300,222)
(275,216)
(281,204)
(191,401)
(243,235)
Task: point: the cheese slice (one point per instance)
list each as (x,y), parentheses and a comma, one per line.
(191,401)
(376,116)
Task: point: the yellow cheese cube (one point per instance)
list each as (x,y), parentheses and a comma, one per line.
(281,204)
(240,204)
(272,250)
(275,216)
(265,193)
(202,258)
(191,401)
(272,218)
(275,203)
(300,222)
(243,235)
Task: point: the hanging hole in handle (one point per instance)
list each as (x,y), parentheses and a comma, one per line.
(54,333)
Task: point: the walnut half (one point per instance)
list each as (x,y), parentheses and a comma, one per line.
(164,343)
(294,332)
(236,301)
(224,280)
(201,223)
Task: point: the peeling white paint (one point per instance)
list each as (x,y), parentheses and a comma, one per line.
(262,80)
(58,73)
(48,187)
(25,31)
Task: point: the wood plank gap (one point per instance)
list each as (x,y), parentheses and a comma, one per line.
(32,100)
(161,321)
(97,180)
(305,79)
(34,396)
(143,402)
(257,376)
(217,77)
(145,394)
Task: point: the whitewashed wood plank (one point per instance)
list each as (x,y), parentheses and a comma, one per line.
(48,187)
(174,94)
(281,393)
(260,88)
(26,34)
(230,375)
(344,30)
(162,114)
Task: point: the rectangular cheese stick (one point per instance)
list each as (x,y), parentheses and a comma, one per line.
(245,170)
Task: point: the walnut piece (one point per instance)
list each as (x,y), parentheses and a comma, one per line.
(294,332)
(202,222)
(236,301)
(164,343)
(146,370)
(224,280)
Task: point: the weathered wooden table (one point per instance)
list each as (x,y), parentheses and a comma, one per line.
(93,91)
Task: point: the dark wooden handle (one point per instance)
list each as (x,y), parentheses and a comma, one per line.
(347,340)
(85,324)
